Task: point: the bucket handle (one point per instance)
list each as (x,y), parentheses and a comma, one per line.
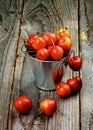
(22,48)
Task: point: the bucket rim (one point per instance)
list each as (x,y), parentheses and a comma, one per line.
(48,61)
(44,61)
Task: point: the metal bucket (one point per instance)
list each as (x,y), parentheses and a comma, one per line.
(47,73)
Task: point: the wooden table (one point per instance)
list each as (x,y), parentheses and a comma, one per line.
(20,18)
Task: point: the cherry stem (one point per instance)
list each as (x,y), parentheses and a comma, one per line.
(22,48)
(41,33)
(62,61)
(72,52)
(53,43)
(40,112)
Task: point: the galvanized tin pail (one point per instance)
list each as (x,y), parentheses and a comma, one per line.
(47,73)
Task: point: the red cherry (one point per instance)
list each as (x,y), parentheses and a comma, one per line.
(31,39)
(65,43)
(57,74)
(75,63)
(61,72)
(75,84)
(42,54)
(50,38)
(56,52)
(38,43)
(63,90)
(49,48)
(49,106)
(23,104)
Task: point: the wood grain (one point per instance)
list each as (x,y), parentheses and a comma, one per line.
(87,69)
(18,19)
(8,45)
(41,16)
(89,10)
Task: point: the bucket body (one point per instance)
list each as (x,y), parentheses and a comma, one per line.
(47,73)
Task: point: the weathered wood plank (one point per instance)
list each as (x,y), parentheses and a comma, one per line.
(8,45)
(15,78)
(86,20)
(70,12)
(36,18)
(89,10)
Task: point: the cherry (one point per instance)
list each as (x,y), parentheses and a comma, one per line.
(75,63)
(42,54)
(56,52)
(65,43)
(50,38)
(63,32)
(63,90)
(75,84)
(49,48)
(31,39)
(38,43)
(48,106)
(23,104)
(57,73)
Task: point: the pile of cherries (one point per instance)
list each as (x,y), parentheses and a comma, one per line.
(50,46)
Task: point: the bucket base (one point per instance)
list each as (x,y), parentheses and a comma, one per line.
(53,89)
(44,88)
